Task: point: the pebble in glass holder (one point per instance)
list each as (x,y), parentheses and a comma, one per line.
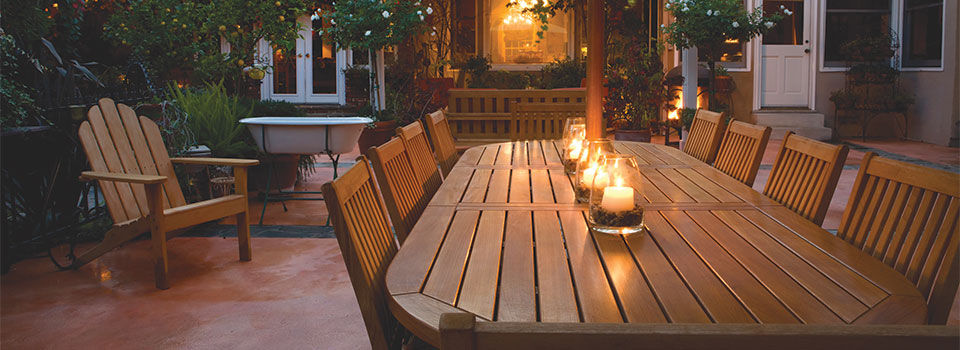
(616,205)
(574,132)
(588,166)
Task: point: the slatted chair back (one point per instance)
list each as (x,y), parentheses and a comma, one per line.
(424,164)
(367,245)
(542,121)
(742,150)
(461,331)
(805,175)
(402,192)
(705,135)
(115,140)
(906,215)
(444,145)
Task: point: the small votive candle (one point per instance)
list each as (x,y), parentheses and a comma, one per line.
(617,199)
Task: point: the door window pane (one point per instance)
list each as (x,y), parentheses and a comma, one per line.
(922,33)
(284,72)
(324,61)
(847,20)
(512,35)
(790,30)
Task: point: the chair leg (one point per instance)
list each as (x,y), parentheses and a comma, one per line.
(159,241)
(243,236)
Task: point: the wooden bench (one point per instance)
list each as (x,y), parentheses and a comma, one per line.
(484,115)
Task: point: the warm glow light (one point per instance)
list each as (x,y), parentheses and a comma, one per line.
(517,16)
(731,41)
(675,114)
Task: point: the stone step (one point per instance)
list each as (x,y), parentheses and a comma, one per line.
(788,119)
(816,132)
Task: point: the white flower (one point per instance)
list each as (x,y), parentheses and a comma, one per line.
(788,12)
(367,33)
(663,26)
(386,14)
(768,24)
(709,12)
(782,7)
(421,17)
(332,21)
(735,25)
(685,8)
(314,17)
(433,33)
(420,12)
(667,5)
(320,32)
(429,10)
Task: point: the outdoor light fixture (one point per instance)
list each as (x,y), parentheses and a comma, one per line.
(615,196)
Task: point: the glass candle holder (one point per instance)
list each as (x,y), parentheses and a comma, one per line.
(572,143)
(615,197)
(588,166)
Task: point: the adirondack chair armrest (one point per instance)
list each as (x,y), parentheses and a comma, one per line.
(121,177)
(216,161)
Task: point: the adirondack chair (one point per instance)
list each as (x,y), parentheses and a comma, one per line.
(129,160)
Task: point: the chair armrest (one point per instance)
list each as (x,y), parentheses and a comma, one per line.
(121,177)
(216,161)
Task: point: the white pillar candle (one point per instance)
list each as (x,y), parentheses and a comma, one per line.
(617,199)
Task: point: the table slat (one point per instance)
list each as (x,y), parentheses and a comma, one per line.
(597,303)
(479,291)
(517,300)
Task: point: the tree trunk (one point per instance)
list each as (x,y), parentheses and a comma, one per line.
(712,102)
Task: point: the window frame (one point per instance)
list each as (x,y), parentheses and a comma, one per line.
(483,49)
(943,38)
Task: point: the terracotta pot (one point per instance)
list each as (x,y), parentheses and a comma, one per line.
(380,133)
(284,176)
(724,83)
(632,135)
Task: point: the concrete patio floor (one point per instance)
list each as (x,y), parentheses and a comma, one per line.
(295,294)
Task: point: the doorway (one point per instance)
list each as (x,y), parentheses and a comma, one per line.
(313,73)
(785,57)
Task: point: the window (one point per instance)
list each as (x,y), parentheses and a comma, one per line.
(850,19)
(922,33)
(511,36)
(733,52)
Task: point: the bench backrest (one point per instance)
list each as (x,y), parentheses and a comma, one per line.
(485,113)
(537,121)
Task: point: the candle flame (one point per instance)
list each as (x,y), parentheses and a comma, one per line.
(619,182)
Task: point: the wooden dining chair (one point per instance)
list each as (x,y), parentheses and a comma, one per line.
(906,215)
(445,147)
(742,150)
(462,331)
(135,174)
(424,164)
(705,135)
(542,121)
(402,191)
(367,245)
(805,175)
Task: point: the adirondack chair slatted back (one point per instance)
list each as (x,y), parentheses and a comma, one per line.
(705,135)
(116,140)
(906,215)
(402,192)
(444,145)
(367,244)
(805,175)
(742,150)
(542,120)
(424,164)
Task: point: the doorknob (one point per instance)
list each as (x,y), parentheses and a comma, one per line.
(308,55)
(806,50)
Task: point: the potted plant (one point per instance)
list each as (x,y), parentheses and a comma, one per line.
(384,126)
(707,24)
(724,82)
(636,93)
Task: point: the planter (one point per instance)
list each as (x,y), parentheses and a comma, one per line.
(294,135)
(724,83)
(380,133)
(632,135)
(284,176)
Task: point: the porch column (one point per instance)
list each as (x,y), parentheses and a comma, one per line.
(595,59)
(689,69)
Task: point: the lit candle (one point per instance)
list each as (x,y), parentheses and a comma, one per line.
(617,198)
(574,150)
(591,174)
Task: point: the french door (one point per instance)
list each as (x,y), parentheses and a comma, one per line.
(313,73)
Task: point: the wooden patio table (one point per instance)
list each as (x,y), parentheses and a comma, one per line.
(504,239)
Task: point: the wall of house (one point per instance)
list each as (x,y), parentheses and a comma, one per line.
(934,117)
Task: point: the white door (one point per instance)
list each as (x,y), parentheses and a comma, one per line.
(785,57)
(313,73)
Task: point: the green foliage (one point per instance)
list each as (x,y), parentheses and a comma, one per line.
(636,90)
(871,48)
(176,34)
(502,79)
(374,25)
(175,129)
(26,23)
(474,65)
(563,73)
(275,108)
(706,24)
(686,117)
(213,117)
(17,106)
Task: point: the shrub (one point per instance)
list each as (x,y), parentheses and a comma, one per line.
(214,117)
(563,73)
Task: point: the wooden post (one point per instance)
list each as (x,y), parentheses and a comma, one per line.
(595,63)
